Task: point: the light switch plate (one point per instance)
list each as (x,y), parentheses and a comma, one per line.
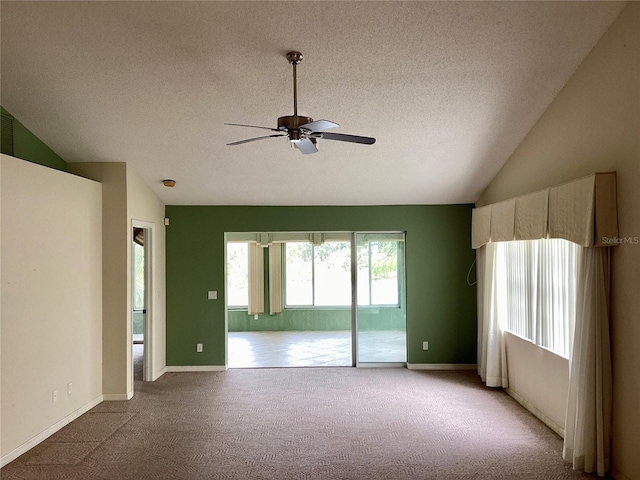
(212,295)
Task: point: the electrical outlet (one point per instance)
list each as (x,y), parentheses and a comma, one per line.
(69,388)
(199,348)
(425,345)
(54,396)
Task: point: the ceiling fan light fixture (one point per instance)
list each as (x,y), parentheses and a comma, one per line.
(294,136)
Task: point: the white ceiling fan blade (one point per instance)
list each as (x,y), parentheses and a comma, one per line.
(252,126)
(240,142)
(347,138)
(305,146)
(319,125)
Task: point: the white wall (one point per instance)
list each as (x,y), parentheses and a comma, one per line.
(542,390)
(143,205)
(127,198)
(116,349)
(593,125)
(51,284)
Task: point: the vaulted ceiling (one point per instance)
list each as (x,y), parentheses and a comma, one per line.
(448,89)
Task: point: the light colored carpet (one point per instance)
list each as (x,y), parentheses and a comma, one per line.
(318,423)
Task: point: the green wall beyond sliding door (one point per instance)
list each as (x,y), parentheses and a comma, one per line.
(441,306)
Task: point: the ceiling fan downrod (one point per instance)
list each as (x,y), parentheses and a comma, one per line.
(294,59)
(291,123)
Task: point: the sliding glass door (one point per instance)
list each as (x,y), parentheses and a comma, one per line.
(379,313)
(315,299)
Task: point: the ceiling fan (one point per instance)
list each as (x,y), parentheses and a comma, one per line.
(303,132)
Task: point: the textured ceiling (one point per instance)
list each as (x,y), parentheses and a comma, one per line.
(449,89)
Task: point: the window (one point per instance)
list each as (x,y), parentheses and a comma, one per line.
(536,290)
(318,275)
(237,275)
(378,273)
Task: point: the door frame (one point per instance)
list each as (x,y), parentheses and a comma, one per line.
(354,301)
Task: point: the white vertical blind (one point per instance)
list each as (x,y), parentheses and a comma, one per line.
(518,263)
(555,315)
(539,290)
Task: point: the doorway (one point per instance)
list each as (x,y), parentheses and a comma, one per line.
(141,304)
(315,299)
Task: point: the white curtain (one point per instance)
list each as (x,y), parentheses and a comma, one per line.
(492,358)
(588,416)
(275,278)
(256,279)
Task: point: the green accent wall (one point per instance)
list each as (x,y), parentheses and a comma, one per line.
(324,319)
(291,319)
(27,146)
(441,306)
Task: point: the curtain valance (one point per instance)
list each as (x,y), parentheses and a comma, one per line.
(265,239)
(583,211)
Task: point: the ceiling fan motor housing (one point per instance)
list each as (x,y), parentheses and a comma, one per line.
(292,121)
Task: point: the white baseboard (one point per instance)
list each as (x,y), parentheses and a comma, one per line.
(42,436)
(442,366)
(196,368)
(537,413)
(117,397)
(159,373)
